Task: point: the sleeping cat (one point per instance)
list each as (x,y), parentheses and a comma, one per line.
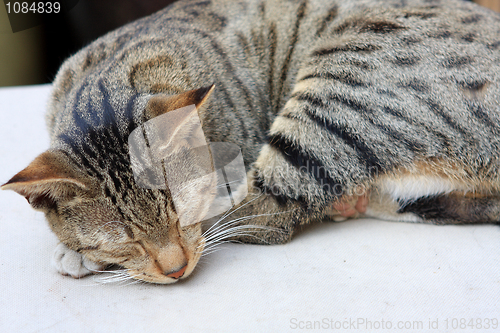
(387,109)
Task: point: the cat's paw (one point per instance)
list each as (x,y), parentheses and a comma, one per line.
(69,262)
(350,206)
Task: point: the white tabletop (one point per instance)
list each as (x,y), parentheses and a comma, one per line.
(332,277)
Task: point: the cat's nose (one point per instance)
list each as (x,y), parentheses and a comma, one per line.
(176,274)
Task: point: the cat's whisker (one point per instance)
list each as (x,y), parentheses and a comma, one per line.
(134,281)
(212,251)
(112,276)
(234,234)
(112,279)
(247,218)
(220,228)
(111,271)
(125,281)
(228,213)
(216,223)
(213,245)
(224,237)
(222,233)
(121,277)
(228,183)
(244,234)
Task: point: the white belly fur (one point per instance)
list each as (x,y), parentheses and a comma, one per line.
(388,192)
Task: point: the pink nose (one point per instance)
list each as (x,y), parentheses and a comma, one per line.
(177,274)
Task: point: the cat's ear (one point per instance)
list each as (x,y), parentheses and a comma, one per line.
(173,121)
(48,180)
(161,104)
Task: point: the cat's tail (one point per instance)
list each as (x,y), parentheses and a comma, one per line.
(430,198)
(454,208)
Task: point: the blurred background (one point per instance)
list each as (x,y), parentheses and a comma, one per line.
(32,56)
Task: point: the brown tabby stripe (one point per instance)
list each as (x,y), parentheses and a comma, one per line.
(122,214)
(284,70)
(272,55)
(346,48)
(494,45)
(474,85)
(478,111)
(281,199)
(87,248)
(99,143)
(414,122)
(332,14)
(420,15)
(299,157)
(457,62)
(262,11)
(474,18)
(242,40)
(231,72)
(342,132)
(410,60)
(416,84)
(346,78)
(364,111)
(437,109)
(370,115)
(378,27)
(227,98)
(228,66)
(381,27)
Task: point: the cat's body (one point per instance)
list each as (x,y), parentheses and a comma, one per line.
(328,100)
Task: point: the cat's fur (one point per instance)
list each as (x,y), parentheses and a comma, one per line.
(328,100)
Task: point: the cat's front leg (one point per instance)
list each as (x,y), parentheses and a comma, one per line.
(271,212)
(69,262)
(259,219)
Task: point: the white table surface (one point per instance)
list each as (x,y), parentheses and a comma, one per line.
(333,277)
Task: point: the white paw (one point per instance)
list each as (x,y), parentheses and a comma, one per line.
(69,262)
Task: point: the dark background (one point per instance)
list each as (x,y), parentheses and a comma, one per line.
(65,34)
(34,55)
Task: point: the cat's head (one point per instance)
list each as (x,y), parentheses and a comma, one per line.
(96,207)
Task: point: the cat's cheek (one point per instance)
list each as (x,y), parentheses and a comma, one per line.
(195,257)
(66,232)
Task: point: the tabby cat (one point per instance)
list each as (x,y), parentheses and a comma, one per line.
(381,108)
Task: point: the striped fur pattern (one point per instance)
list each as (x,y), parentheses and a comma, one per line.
(327,99)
